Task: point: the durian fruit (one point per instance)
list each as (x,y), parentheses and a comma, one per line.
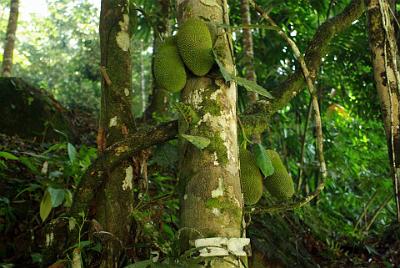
(168,67)
(250,178)
(195,46)
(279,184)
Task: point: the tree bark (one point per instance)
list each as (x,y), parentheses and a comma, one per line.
(159,99)
(10,39)
(248,56)
(211,198)
(384,50)
(115,200)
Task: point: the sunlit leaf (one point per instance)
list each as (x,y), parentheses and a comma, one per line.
(199,142)
(253,86)
(45,206)
(8,156)
(263,161)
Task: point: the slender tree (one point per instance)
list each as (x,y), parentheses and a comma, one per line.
(159,99)
(10,39)
(382,39)
(115,200)
(211,202)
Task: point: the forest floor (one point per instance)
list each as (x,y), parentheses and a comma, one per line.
(27,167)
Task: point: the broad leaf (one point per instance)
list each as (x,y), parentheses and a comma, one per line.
(227,76)
(8,156)
(263,161)
(199,142)
(45,206)
(71,152)
(57,196)
(253,86)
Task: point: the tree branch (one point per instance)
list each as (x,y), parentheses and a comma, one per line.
(317,48)
(94,177)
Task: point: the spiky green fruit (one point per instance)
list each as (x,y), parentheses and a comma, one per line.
(250,178)
(169,70)
(195,46)
(280,183)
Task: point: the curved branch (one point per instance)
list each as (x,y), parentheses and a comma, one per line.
(317,48)
(290,206)
(94,177)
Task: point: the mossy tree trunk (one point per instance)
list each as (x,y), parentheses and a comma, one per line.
(382,39)
(211,198)
(115,200)
(10,39)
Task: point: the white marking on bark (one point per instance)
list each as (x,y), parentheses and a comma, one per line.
(123,40)
(113,122)
(49,239)
(220,189)
(185,197)
(215,159)
(126,91)
(216,211)
(127,183)
(215,94)
(196,98)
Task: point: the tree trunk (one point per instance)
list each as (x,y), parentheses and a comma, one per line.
(211,198)
(10,39)
(248,56)
(114,204)
(387,78)
(159,99)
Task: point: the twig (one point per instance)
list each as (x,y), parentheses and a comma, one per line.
(303,142)
(310,85)
(382,206)
(290,206)
(104,73)
(366,209)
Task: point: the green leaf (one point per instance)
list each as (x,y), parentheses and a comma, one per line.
(8,156)
(71,152)
(45,206)
(227,76)
(28,163)
(199,142)
(262,160)
(57,196)
(68,198)
(253,86)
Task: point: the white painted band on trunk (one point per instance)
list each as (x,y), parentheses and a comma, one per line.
(221,246)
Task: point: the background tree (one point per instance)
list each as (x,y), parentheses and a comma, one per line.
(384,49)
(10,38)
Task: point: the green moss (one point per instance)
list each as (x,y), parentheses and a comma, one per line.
(195,46)
(217,145)
(250,178)
(212,108)
(280,184)
(224,204)
(169,70)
